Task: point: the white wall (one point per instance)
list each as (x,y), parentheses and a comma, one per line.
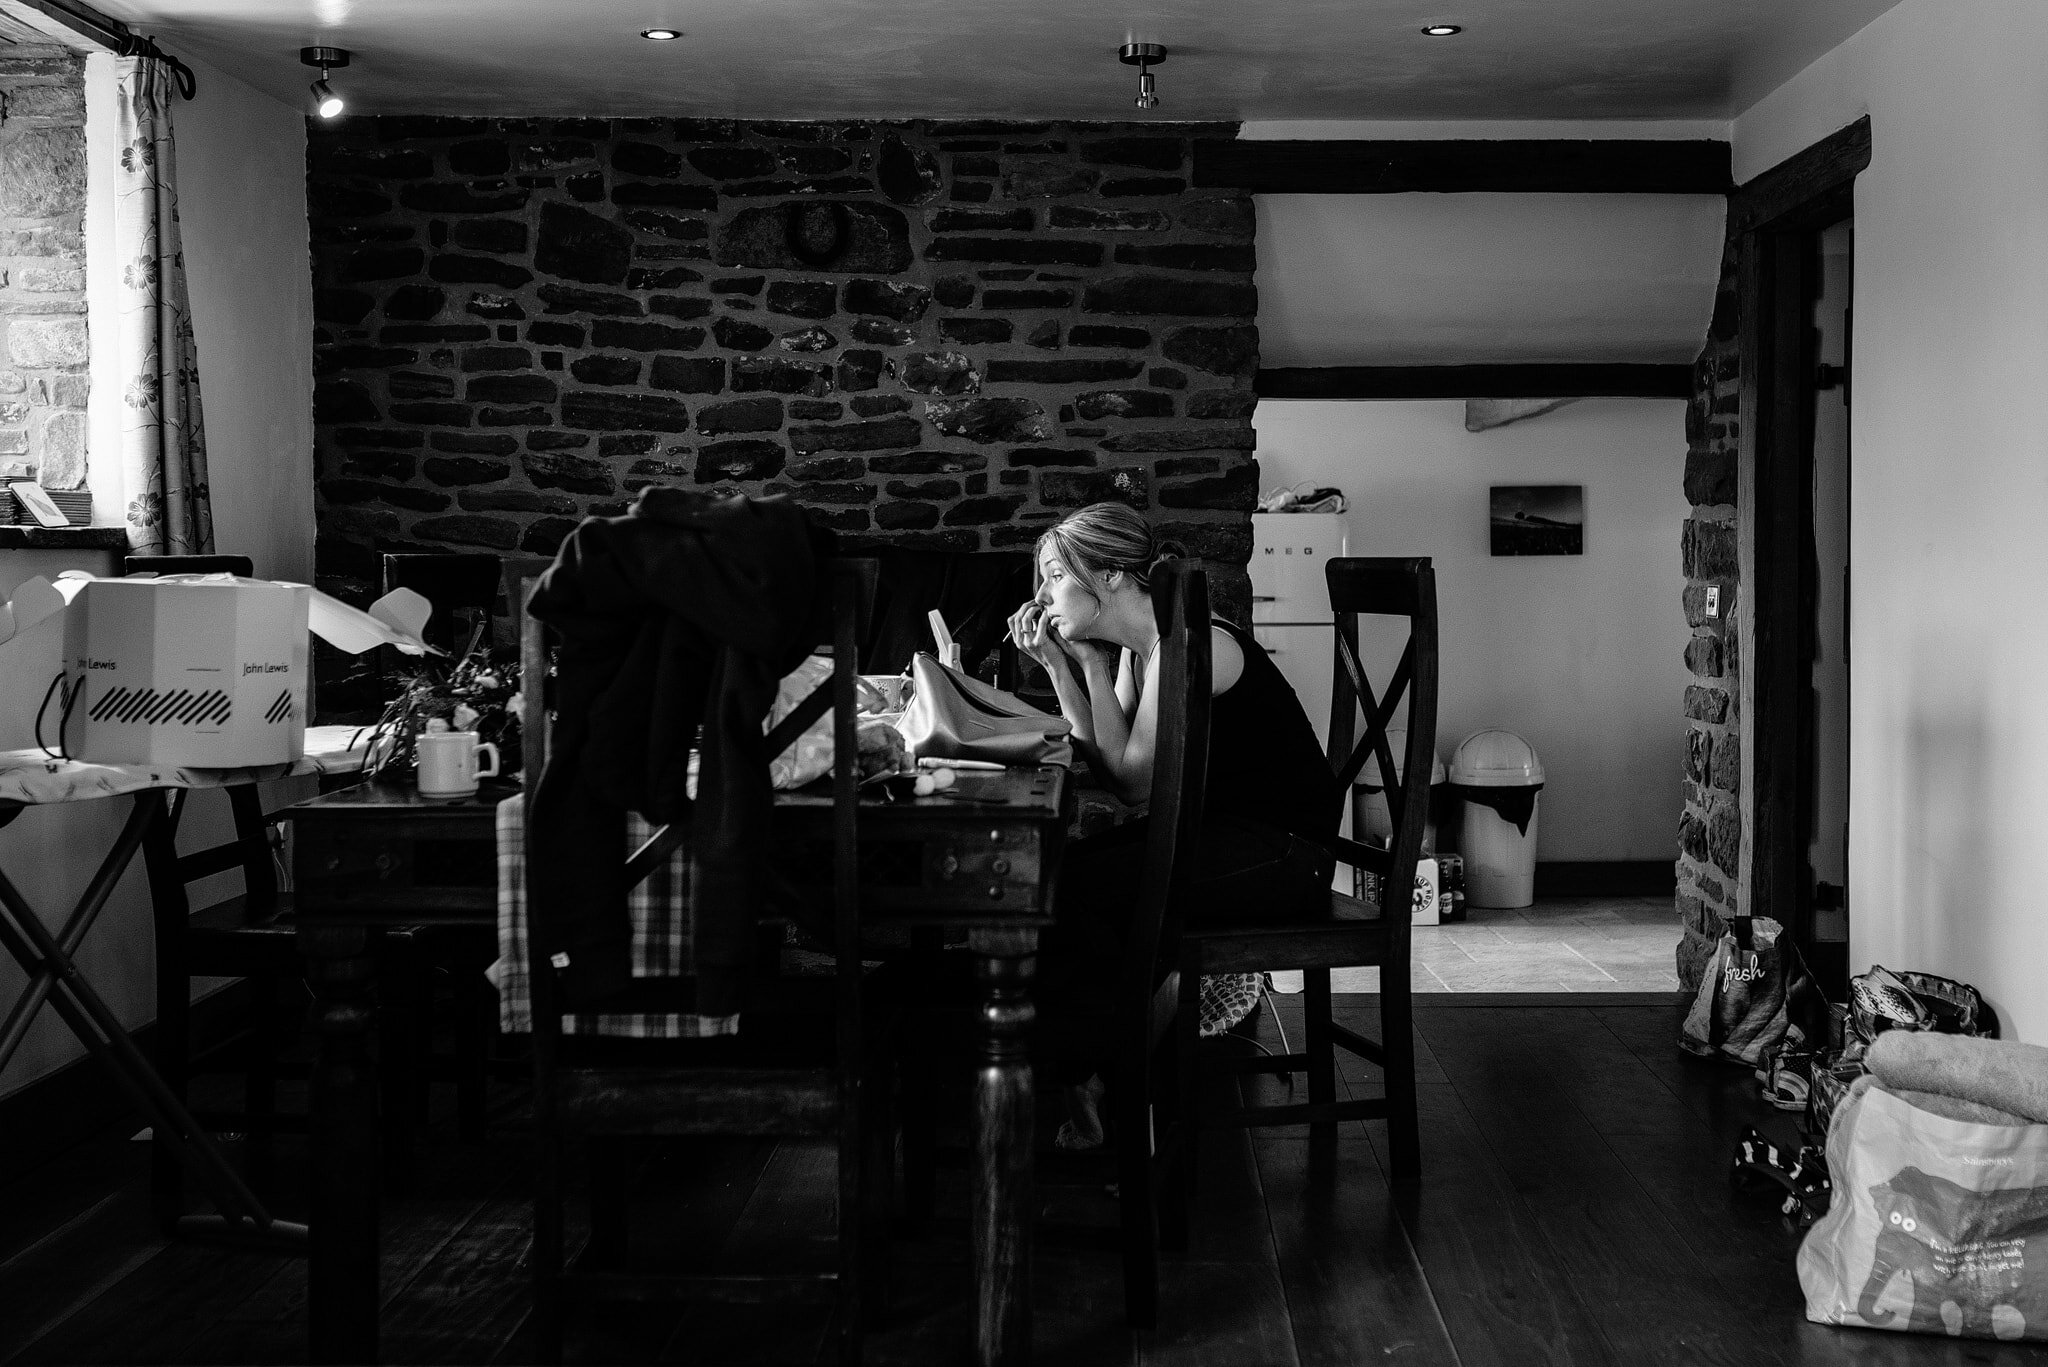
(242,205)
(1949,481)
(1581,655)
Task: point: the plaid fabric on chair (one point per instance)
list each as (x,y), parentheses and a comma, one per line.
(660,908)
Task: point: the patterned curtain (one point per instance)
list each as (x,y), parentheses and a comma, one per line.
(163,439)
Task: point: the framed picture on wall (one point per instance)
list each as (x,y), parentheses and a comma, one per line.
(1537,519)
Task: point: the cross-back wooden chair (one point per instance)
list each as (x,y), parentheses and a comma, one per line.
(1348,932)
(1153,1159)
(597,1090)
(1138,1017)
(252,936)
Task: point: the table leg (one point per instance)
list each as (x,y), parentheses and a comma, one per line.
(1004,962)
(341,1277)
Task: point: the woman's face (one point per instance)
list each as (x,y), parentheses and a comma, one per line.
(1067,601)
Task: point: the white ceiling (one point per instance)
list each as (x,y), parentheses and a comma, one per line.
(1280,59)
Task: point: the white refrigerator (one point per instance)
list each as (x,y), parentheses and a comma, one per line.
(1291,620)
(1291,602)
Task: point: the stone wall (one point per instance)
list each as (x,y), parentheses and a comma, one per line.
(932,334)
(1710,830)
(42,265)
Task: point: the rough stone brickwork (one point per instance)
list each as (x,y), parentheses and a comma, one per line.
(932,334)
(42,265)
(1710,830)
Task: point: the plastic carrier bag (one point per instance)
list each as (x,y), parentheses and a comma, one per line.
(1739,1011)
(1938,1226)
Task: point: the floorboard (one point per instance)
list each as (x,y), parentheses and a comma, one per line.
(69,1268)
(1355,1289)
(1515,1074)
(1574,1209)
(50,1195)
(1506,1294)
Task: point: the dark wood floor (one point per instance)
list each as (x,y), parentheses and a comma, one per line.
(1575,1209)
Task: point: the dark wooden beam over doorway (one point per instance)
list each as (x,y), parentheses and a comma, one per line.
(1600,380)
(1465,166)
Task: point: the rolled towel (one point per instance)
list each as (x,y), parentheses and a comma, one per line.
(1948,1107)
(2000,1073)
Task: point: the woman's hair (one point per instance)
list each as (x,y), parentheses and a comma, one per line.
(1108,536)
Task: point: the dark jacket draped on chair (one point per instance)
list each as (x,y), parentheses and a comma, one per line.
(687,611)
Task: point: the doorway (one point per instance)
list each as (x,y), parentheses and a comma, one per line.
(1579,654)
(1828,846)
(1802,268)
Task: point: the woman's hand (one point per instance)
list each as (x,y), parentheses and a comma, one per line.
(1039,639)
(1091,654)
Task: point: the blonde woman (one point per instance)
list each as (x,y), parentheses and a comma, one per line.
(1271,806)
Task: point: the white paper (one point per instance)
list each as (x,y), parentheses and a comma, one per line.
(396,619)
(33,601)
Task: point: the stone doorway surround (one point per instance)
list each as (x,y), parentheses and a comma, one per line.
(1737,834)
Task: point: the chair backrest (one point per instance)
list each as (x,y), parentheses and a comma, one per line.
(975,591)
(1395,588)
(1180,771)
(189,564)
(462,586)
(852,590)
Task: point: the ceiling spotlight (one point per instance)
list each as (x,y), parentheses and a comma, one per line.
(1442,30)
(661,35)
(325,99)
(1143,56)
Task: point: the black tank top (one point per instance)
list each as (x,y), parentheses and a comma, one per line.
(1264,762)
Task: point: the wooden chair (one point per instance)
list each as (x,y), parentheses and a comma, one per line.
(975,591)
(188,564)
(252,936)
(598,1089)
(462,586)
(249,936)
(1138,1021)
(1348,932)
(444,981)
(1154,1155)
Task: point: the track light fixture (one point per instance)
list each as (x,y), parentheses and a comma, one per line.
(325,99)
(1143,56)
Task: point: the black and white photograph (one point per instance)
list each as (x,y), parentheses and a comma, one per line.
(1536,519)
(782,682)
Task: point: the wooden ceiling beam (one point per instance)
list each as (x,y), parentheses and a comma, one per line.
(1605,380)
(1465,166)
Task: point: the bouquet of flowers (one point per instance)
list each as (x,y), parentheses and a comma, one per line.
(474,693)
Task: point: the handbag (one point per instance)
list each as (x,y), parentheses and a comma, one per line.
(956,716)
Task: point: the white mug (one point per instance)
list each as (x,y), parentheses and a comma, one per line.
(448,762)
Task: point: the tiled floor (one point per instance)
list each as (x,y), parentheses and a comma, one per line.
(1589,944)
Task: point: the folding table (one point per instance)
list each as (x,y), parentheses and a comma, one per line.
(33,777)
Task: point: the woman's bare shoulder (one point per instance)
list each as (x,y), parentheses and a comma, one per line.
(1226,659)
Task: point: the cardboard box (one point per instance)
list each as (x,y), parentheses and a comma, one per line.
(207,671)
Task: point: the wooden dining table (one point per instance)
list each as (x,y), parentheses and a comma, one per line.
(982,856)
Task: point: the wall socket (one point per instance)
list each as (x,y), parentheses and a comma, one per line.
(1713,600)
